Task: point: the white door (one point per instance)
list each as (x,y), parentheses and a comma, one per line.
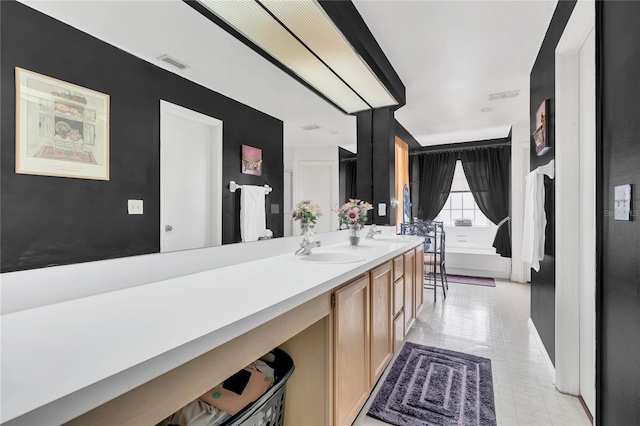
(588,220)
(190,179)
(316,184)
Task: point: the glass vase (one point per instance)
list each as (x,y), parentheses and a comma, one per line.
(304,227)
(354,235)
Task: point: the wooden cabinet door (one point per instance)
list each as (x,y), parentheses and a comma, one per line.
(381,319)
(398,332)
(351,350)
(419,279)
(398,296)
(409,292)
(398,267)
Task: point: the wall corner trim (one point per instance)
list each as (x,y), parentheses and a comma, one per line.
(545,354)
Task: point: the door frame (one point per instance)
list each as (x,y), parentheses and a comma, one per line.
(215,170)
(568,267)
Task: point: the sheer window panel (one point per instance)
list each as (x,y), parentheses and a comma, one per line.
(480,219)
(447,204)
(467,201)
(456,200)
(456,214)
(446,217)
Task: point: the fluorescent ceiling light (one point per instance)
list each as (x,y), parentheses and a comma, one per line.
(318,53)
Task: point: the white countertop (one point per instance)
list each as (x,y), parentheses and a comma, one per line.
(66,358)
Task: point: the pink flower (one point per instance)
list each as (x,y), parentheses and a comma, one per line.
(352,214)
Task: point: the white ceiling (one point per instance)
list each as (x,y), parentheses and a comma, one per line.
(450,55)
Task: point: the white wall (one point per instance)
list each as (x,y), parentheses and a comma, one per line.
(520,140)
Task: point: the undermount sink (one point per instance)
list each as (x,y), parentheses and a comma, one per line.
(329,257)
(391,239)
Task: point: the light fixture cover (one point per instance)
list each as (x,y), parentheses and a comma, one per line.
(318,53)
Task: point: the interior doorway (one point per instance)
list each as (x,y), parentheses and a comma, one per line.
(190,179)
(576,206)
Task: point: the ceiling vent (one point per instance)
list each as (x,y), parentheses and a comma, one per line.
(504,95)
(173,61)
(311,127)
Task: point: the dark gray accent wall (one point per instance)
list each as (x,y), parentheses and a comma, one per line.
(542,86)
(376,161)
(618,291)
(52,220)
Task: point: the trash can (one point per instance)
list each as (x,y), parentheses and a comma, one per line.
(268,410)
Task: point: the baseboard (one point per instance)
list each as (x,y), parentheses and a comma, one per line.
(545,354)
(585,408)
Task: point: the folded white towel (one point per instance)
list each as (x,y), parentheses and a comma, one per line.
(253,220)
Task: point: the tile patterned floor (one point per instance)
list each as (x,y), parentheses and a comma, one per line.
(492,322)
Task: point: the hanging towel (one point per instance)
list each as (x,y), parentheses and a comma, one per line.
(253,221)
(535,219)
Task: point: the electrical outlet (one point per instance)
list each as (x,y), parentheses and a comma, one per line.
(135,206)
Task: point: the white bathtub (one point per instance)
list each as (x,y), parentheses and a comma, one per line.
(477,262)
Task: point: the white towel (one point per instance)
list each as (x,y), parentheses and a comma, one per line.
(253,220)
(535,219)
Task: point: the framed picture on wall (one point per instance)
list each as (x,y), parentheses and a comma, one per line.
(251,160)
(541,133)
(61,129)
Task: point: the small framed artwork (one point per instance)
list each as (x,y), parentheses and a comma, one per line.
(622,202)
(251,160)
(61,129)
(541,134)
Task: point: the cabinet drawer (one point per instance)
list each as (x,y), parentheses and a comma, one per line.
(398,267)
(398,296)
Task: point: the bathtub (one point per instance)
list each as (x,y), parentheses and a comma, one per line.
(477,262)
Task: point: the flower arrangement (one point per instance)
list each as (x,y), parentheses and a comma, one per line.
(306,212)
(354,212)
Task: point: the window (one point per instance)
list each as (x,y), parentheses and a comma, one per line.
(460,203)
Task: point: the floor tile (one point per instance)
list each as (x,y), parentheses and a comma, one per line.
(492,322)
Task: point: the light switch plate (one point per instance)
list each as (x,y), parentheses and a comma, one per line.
(622,202)
(382,209)
(135,206)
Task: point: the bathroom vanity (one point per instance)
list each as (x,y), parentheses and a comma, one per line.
(136,355)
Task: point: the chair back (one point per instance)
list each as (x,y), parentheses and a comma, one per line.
(432,231)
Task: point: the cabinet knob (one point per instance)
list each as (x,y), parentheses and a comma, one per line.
(168,228)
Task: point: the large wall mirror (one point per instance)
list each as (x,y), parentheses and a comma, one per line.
(231,98)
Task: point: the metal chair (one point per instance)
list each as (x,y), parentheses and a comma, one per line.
(434,253)
(434,262)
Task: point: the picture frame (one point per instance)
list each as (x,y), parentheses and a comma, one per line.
(62,129)
(251,160)
(541,133)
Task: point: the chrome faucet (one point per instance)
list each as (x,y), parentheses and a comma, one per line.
(307,245)
(372,232)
